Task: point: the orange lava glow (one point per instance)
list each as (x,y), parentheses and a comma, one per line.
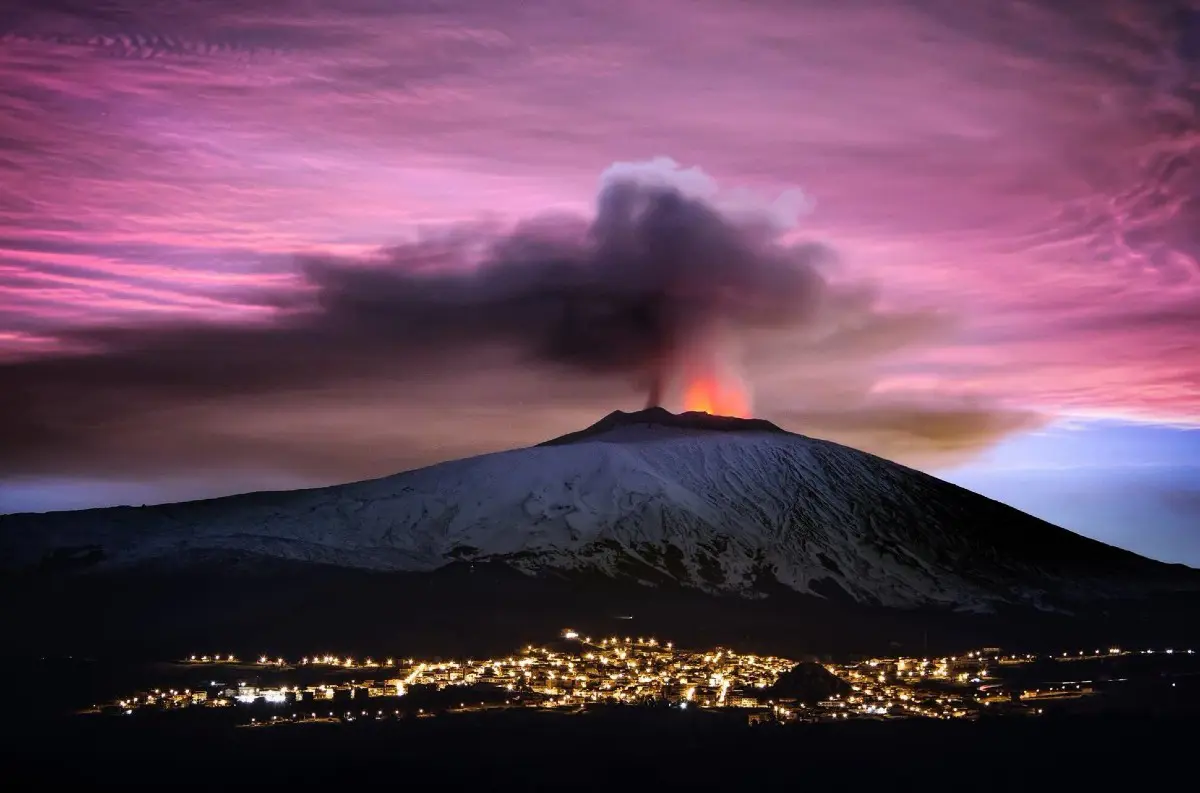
(711,395)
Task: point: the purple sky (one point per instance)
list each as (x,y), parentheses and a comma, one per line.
(1008,190)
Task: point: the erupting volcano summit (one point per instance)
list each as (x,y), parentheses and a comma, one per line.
(709,503)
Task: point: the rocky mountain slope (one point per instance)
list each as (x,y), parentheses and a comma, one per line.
(710,503)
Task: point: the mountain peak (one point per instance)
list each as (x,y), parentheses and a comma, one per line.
(659,417)
(714,503)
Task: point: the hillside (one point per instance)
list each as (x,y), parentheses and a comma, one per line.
(723,506)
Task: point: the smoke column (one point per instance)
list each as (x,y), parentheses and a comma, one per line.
(643,293)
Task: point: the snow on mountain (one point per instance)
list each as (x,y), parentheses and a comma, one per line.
(723,505)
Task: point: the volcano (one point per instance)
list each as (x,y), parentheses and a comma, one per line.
(725,515)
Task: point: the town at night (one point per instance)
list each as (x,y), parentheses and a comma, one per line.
(577,674)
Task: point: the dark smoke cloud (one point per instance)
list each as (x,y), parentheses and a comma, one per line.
(621,299)
(655,271)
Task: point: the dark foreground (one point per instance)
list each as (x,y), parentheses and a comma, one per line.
(462,609)
(625,749)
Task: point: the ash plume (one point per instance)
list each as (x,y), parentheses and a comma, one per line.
(620,297)
(556,313)
(623,296)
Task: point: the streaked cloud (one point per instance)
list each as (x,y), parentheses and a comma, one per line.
(1016,181)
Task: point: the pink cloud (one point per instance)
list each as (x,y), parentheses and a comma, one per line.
(1029,170)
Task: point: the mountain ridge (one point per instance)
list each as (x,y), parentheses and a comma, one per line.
(661,417)
(723,505)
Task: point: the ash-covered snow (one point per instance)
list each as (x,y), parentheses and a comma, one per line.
(712,503)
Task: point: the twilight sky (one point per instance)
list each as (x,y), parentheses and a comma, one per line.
(295,242)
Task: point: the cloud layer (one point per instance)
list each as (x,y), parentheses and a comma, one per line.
(1009,188)
(659,282)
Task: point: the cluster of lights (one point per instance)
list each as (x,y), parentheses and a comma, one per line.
(629,669)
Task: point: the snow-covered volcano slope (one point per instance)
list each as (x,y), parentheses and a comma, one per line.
(714,503)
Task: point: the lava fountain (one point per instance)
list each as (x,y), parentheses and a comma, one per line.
(706,377)
(708,386)
(709,394)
